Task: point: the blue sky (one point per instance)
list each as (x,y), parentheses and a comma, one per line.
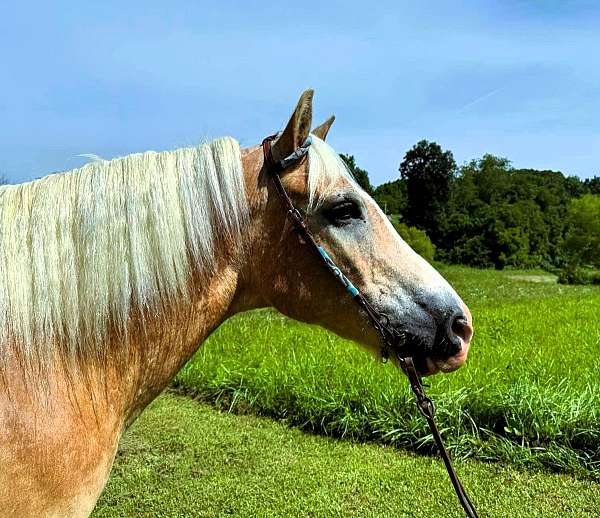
(517,79)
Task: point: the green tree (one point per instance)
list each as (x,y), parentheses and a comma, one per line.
(500,216)
(428,171)
(360,175)
(582,240)
(391,196)
(575,186)
(592,185)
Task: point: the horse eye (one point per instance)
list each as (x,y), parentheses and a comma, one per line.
(343,212)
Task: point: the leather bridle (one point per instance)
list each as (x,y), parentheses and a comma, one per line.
(393,340)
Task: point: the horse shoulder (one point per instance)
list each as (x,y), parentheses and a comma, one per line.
(55,455)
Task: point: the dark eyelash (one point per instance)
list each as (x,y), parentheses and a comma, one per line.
(343,212)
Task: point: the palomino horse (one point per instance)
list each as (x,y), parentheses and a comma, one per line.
(112,275)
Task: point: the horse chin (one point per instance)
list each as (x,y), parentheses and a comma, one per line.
(454,362)
(428,366)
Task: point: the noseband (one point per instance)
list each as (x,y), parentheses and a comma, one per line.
(392,340)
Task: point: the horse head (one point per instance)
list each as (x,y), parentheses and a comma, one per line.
(283,272)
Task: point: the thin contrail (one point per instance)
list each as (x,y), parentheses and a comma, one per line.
(479,99)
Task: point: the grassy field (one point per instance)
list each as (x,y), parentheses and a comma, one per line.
(182,459)
(529,396)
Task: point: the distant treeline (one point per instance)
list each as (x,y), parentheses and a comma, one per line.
(486,213)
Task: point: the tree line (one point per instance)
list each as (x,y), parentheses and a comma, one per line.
(487,213)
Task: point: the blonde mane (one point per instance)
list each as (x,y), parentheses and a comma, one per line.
(81,250)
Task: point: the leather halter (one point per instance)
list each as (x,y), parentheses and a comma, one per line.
(393,341)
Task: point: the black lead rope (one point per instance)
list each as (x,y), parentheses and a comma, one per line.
(425,406)
(392,340)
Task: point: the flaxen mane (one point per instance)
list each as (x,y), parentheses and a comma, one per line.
(82,249)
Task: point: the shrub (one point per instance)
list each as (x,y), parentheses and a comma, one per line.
(416,239)
(575,275)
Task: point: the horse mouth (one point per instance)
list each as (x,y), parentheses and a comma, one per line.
(428,365)
(428,361)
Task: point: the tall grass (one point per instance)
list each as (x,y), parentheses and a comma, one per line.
(529,395)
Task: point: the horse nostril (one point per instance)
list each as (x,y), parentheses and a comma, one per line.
(460,327)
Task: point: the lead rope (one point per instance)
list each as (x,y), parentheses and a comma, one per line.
(425,406)
(392,340)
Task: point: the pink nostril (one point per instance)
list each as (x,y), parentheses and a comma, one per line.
(461,328)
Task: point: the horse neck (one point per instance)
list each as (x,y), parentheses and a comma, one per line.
(171,337)
(160,343)
(65,425)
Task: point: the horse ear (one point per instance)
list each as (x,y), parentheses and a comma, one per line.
(322,130)
(297,129)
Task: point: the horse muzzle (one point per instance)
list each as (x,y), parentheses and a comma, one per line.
(442,344)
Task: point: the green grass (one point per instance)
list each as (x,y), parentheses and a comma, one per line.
(480,286)
(529,396)
(185,459)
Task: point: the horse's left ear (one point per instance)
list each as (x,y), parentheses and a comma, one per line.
(322,130)
(297,129)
